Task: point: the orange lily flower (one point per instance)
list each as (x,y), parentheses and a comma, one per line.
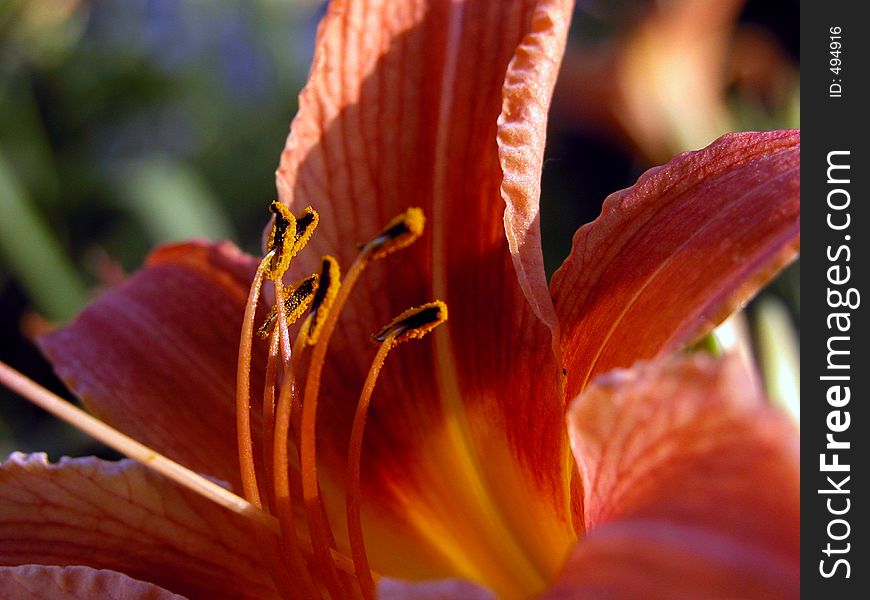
(671,479)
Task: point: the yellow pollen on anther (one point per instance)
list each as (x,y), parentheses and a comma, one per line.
(414,323)
(296,302)
(281,240)
(324,296)
(288,236)
(397,234)
(306,223)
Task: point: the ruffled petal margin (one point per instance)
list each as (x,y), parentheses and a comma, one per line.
(672,256)
(522,133)
(39,582)
(121,516)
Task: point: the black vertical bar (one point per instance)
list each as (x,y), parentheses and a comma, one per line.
(835,170)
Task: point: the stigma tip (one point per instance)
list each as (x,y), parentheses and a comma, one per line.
(399,233)
(414,323)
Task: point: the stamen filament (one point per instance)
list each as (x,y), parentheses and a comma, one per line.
(269,403)
(281,464)
(60,408)
(412,324)
(265,526)
(399,233)
(277,451)
(243,388)
(354,457)
(321,533)
(282,335)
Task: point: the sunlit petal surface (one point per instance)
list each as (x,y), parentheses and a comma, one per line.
(670,257)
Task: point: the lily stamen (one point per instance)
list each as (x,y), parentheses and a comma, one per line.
(324,297)
(266,527)
(411,324)
(286,312)
(399,233)
(293,559)
(279,242)
(243,383)
(281,248)
(287,410)
(295,301)
(269,400)
(304,563)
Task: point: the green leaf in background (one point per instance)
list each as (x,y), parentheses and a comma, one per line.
(171,201)
(778,355)
(32,252)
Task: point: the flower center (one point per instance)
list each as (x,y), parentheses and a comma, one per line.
(300,552)
(311,557)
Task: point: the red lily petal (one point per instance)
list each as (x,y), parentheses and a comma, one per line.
(686,444)
(122,517)
(522,132)
(445,589)
(156,357)
(663,561)
(410,116)
(672,256)
(39,582)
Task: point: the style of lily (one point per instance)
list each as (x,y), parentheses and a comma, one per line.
(499,456)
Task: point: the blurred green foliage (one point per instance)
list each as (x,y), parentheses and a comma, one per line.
(124,125)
